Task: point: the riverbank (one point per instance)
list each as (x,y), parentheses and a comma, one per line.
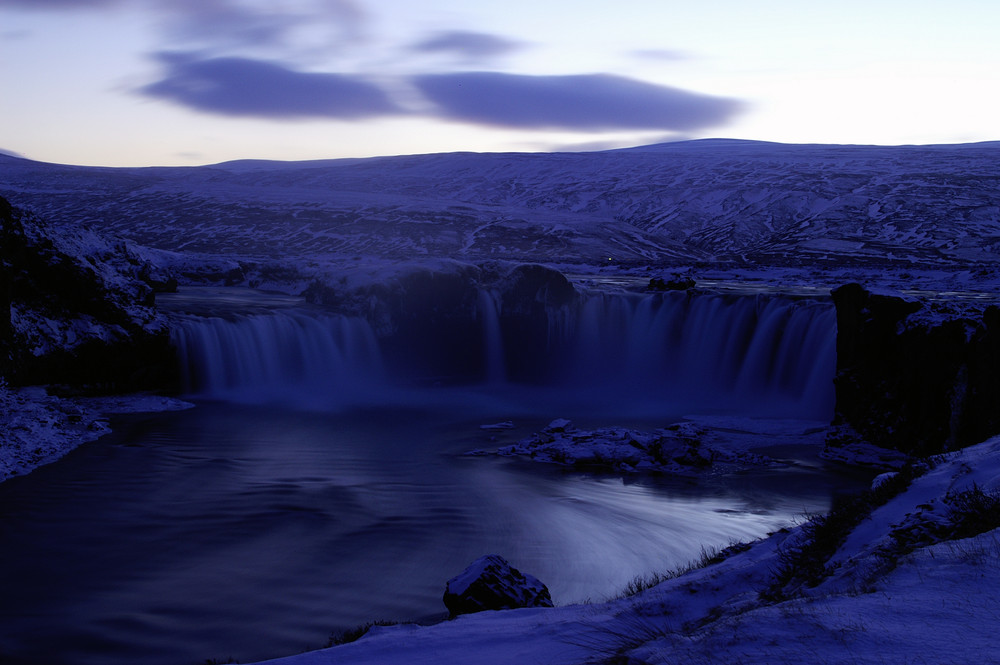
(37,428)
(910,578)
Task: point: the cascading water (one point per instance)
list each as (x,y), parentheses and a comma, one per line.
(489,315)
(285,355)
(752,354)
(743,353)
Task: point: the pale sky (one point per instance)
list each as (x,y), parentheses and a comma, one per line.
(179,82)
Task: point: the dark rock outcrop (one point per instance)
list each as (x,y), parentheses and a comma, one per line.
(681,283)
(491,583)
(431,319)
(913,375)
(77,309)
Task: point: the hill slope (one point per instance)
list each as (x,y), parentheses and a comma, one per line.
(720,200)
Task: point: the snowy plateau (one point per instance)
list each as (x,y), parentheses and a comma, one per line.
(713,200)
(564,274)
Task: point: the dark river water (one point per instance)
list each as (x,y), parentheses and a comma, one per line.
(252,532)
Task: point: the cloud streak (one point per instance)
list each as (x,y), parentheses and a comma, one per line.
(586,102)
(58,4)
(468,45)
(662,54)
(239,23)
(227,24)
(577,102)
(256,88)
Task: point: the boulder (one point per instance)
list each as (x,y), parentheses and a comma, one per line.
(681,283)
(491,583)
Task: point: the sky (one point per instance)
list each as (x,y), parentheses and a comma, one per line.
(184,82)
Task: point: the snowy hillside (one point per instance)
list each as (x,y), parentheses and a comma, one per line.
(718,200)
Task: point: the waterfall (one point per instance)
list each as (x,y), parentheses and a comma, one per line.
(766,355)
(284,355)
(489,316)
(744,353)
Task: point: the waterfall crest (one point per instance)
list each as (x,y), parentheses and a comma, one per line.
(287,355)
(734,352)
(744,354)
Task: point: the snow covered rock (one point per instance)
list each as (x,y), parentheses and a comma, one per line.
(80,308)
(842,446)
(685,449)
(491,583)
(37,428)
(558,425)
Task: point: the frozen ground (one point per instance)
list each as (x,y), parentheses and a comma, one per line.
(37,428)
(899,589)
(741,202)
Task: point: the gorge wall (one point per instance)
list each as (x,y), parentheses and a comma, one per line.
(917,375)
(77,310)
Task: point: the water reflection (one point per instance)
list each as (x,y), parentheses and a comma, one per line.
(254,532)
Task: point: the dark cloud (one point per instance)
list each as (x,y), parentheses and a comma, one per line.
(240,23)
(58,4)
(222,23)
(580,102)
(245,87)
(234,23)
(471,45)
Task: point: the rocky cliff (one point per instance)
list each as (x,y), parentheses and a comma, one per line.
(77,309)
(438,319)
(917,375)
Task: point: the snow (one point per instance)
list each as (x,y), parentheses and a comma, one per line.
(859,453)
(679,203)
(937,607)
(684,448)
(37,428)
(486,638)
(938,604)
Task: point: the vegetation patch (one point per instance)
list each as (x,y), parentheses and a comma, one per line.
(356,633)
(709,556)
(804,561)
(967,513)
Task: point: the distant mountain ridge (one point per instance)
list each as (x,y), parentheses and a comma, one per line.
(721,200)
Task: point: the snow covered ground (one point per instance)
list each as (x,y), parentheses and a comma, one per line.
(734,201)
(916,581)
(37,428)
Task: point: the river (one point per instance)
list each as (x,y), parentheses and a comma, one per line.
(252,529)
